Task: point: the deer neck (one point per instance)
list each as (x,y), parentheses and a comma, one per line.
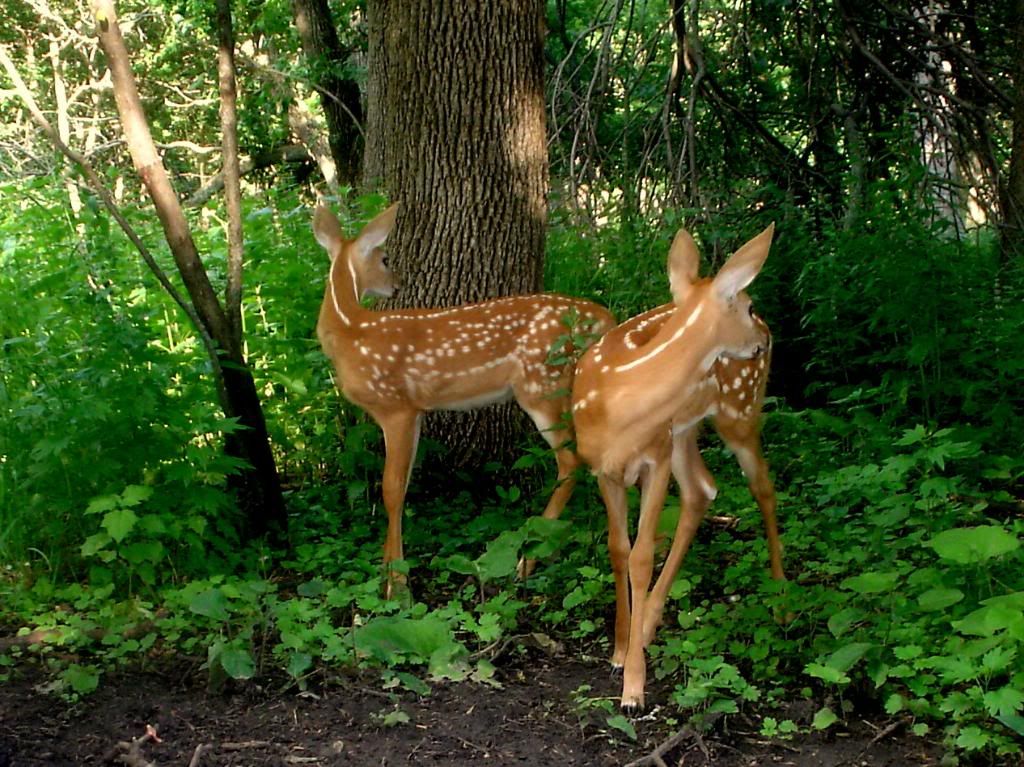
(343,312)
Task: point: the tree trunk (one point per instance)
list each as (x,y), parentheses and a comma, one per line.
(456,133)
(339,96)
(260,491)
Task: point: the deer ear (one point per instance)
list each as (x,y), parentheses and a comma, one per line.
(376,232)
(326,229)
(683,265)
(743,265)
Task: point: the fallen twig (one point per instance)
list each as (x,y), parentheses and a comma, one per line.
(886,731)
(230,745)
(197,755)
(655,757)
(687,733)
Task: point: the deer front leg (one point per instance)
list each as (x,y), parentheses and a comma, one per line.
(401,435)
(614,494)
(641,567)
(755,468)
(696,491)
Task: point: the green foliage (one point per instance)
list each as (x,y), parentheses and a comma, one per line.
(895,436)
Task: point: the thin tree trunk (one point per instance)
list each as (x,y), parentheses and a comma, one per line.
(261,491)
(456,132)
(339,96)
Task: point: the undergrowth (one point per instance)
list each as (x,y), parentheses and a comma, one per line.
(897,465)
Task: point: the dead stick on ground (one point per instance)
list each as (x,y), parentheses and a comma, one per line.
(656,756)
(239,746)
(197,755)
(886,731)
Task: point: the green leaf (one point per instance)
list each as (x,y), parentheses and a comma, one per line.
(575,598)
(237,662)
(292,384)
(94,543)
(501,557)
(987,620)
(413,683)
(312,589)
(119,523)
(912,436)
(939,599)
(824,719)
(1004,702)
(82,679)
(460,564)
(966,545)
(143,551)
(133,495)
(972,738)
(894,703)
(826,673)
(847,656)
(395,718)
(841,622)
(102,503)
(391,639)
(1014,721)
(211,603)
(299,663)
(871,582)
(622,724)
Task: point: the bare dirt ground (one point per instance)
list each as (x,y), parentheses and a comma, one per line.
(530,720)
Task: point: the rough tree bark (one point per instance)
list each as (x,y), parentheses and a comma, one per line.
(339,96)
(456,132)
(260,491)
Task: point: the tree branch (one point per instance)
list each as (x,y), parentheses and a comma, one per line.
(232,174)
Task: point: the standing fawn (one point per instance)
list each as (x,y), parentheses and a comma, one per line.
(396,365)
(639,397)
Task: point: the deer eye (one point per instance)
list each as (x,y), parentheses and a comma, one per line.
(750,310)
(387,263)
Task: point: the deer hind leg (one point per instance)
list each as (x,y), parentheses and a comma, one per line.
(401,435)
(641,569)
(548,415)
(614,494)
(696,492)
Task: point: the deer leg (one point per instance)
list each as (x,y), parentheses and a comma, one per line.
(641,568)
(755,468)
(696,491)
(614,494)
(401,435)
(547,417)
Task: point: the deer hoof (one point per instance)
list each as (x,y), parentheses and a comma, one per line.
(632,706)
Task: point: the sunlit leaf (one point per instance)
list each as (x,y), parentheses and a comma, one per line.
(966,545)
(824,719)
(119,522)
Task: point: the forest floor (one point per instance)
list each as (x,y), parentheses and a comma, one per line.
(168,718)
